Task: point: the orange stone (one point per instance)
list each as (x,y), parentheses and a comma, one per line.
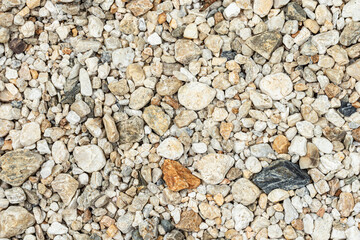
(178,177)
(189,221)
(225,130)
(162,18)
(111,231)
(356,134)
(281,144)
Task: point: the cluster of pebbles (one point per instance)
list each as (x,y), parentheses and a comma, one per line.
(179,119)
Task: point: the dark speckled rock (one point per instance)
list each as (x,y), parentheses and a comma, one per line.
(174,235)
(167,225)
(295,12)
(229,55)
(281,174)
(347,109)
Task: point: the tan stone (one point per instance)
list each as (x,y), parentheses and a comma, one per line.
(178,177)
(136,73)
(262,7)
(356,134)
(225,130)
(354,70)
(312,158)
(189,221)
(345,204)
(332,90)
(139,7)
(209,211)
(112,133)
(32,3)
(66,186)
(14,221)
(119,88)
(312,25)
(281,144)
(156,119)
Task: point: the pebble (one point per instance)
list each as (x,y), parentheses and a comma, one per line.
(89,158)
(298,146)
(85,84)
(213,167)
(261,150)
(262,8)
(242,216)
(186,51)
(323,144)
(264,43)
(277,86)
(170,148)
(281,144)
(15,220)
(196,96)
(131,130)
(245,192)
(278,195)
(65,186)
(30,134)
(156,119)
(351,9)
(231,11)
(190,221)
(140,97)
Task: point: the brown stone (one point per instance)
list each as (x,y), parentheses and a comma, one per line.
(281,144)
(298,224)
(334,134)
(345,204)
(225,130)
(189,221)
(332,90)
(178,177)
(17,45)
(334,186)
(312,158)
(139,7)
(356,134)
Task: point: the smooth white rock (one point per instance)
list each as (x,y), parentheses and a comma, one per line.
(89,158)
(170,148)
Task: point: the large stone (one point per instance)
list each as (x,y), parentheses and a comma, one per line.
(178,177)
(186,51)
(157,120)
(14,221)
(189,221)
(245,192)
(324,40)
(277,85)
(265,43)
(281,174)
(131,130)
(89,158)
(17,166)
(242,216)
(170,148)
(65,185)
(213,167)
(139,7)
(119,88)
(350,34)
(196,95)
(352,9)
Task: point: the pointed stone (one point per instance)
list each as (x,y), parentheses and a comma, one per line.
(265,43)
(281,174)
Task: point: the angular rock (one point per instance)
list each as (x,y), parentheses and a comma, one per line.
(281,174)
(281,144)
(277,85)
(347,109)
(265,43)
(17,166)
(17,45)
(324,40)
(242,216)
(352,9)
(30,134)
(354,70)
(350,34)
(262,7)
(186,51)
(14,221)
(312,158)
(139,7)
(178,177)
(65,185)
(213,167)
(119,88)
(89,158)
(209,211)
(345,204)
(131,130)
(195,95)
(262,150)
(189,221)
(112,133)
(140,97)
(294,11)
(245,192)
(168,86)
(157,120)
(170,148)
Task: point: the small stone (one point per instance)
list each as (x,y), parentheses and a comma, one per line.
(119,88)
(17,45)
(350,34)
(208,211)
(347,109)
(262,150)
(15,195)
(167,225)
(260,101)
(332,90)
(186,51)
(298,146)
(245,192)
(324,40)
(66,186)
(59,152)
(277,85)
(170,148)
(139,7)
(262,7)
(352,9)
(185,118)
(112,133)
(294,11)
(265,43)
(4,35)
(281,174)
(178,177)
(154,39)
(85,83)
(196,96)
(174,235)
(5,127)
(168,86)
(89,158)
(242,216)
(32,3)
(305,128)
(6,20)
(214,43)
(334,134)
(225,130)
(136,73)
(57,229)
(140,97)
(30,134)
(345,204)
(231,11)
(189,222)
(323,144)
(95,26)
(312,158)
(278,195)
(191,31)
(281,144)
(333,117)
(274,231)
(123,57)
(28,29)
(14,221)
(156,119)
(131,130)
(17,166)
(354,70)
(213,167)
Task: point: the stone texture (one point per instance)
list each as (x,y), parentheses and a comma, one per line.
(350,34)
(264,43)
(245,192)
(17,45)
(189,222)
(65,185)
(195,95)
(18,165)
(139,7)
(281,144)
(186,51)
(89,158)
(14,221)
(156,119)
(30,134)
(345,204)
(131,130)
(170,148)
(209,211)
(242,216)
(281,174)
(277,85)
(312,157)
(119,88)
(295,12)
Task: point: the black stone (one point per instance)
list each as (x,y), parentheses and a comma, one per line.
(230,55)
(347,109)
(17,45)
(281,174)
(167,225)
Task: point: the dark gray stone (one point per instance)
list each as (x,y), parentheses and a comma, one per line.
(347,109)
(178,32)
(294,11)
(136,235)
(229,55)
(265,43)
(281,174)
(131,130)
(167,225)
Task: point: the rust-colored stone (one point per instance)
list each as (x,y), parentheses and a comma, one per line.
(332,90)
(356,134)
(225,130)
(281,144)
(178,177)
(189,221)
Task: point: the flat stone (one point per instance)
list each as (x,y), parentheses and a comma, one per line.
(111,130)
(30,134)
(281,174)
(294,11)
(277,85)
(131,130)
(350,34)
(18,165)
(178,177)
(174,235)
(170,148)
(262,150)
(196,96)
(186,51)
(345,204)
(262,7)
(213,167)
(139,7)
(265,43)
(278,195)
(157,120)
(312,158)
(89,158)
(189,221)
(168,86)
(184,118)
(245,192)
(135,72)
(15,195)
(14,221)
(323,144)
(140,97)
(65,185)
(17,45)
(119,88)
